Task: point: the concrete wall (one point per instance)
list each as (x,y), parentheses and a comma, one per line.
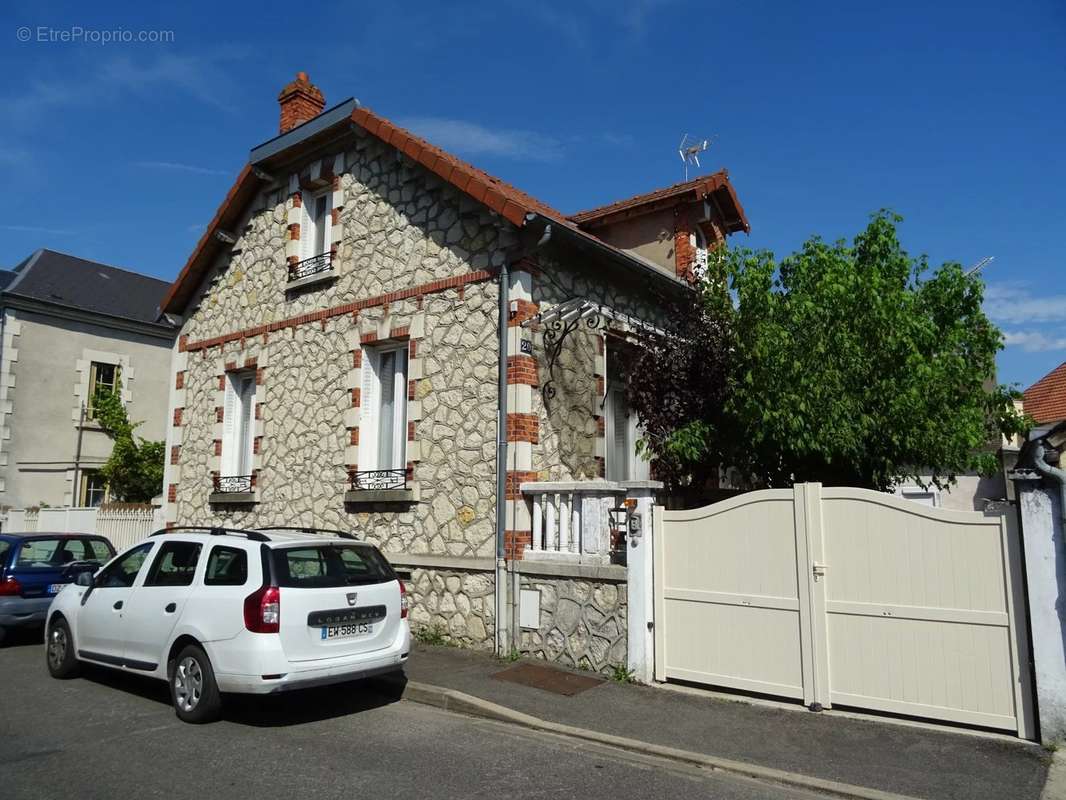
(1045,566)
(650,236)
(50,379)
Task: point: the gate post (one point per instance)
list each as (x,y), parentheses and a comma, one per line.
(640,585)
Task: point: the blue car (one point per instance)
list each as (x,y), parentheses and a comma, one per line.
(35,566)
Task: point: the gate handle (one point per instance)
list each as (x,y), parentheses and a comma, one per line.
(818,570)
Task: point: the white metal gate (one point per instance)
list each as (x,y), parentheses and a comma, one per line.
(847,596)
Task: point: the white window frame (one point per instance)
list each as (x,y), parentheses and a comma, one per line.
(94,383)
(633,466)
(310,228)
(370,421)
(85,490)
(238,424)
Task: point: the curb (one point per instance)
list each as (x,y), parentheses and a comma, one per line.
(459,702)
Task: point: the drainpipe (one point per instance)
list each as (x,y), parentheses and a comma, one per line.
(506,585)
(501,467)
(1052,472)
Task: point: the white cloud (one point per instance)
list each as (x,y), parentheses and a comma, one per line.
(178,167)
(470,138)
(36,229)
(1016,303)
(1034,341)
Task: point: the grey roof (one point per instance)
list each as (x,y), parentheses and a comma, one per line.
(65,280)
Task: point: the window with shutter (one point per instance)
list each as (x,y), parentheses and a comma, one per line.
(315,224)
(383,409)
(617,434)
(238,424)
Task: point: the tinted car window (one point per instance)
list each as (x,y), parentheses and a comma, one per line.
(49,553)
(99,550)
(226,566)
(5,548)
(124,571)
(326,565)
(174,565)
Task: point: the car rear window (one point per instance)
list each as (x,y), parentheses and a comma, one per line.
(329,565)
(51,553)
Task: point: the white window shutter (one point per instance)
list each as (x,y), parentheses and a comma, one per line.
(247,423)
(229,428)
(399,449)
(387,417)
(327,222)
(617,436)
(307,226)
(368,412)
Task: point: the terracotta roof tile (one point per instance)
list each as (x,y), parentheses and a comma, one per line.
(1045,400)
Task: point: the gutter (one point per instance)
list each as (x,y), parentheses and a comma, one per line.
(1056,473)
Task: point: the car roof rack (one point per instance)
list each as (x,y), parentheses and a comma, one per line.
(254,536)
(302,529)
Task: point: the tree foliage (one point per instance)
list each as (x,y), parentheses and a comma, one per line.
(134,471)
(849,365)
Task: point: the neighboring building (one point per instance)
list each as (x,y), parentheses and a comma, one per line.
(71,325)
(1045,400)
(338,366)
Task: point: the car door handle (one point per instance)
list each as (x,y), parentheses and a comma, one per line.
(171,608)
(118,605)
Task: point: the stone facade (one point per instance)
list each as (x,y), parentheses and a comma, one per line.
(413,260)
(582,622)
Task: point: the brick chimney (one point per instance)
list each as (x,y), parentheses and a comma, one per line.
(300,101)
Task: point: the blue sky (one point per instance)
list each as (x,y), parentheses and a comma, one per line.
(952,114)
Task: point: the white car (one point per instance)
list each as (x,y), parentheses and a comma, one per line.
(214,610)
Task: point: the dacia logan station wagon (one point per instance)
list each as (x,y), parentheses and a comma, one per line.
(218,610)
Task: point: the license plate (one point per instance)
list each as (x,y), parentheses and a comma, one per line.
(54,588)
(347,631)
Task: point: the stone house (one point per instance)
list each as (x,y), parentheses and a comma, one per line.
(345,353)
(70,325)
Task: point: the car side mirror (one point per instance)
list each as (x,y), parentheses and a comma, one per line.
(84,579)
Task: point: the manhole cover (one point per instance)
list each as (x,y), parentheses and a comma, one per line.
(549,679)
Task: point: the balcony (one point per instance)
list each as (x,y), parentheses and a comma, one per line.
(379,486)
(576,520)
(233,489)
(310,271)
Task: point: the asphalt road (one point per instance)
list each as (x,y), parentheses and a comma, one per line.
(115,736)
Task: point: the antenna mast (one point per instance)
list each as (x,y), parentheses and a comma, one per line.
(690,149)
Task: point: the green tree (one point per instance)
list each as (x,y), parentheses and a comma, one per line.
(134,471)
(849,365)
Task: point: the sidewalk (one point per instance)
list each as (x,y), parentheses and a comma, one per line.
(907,760)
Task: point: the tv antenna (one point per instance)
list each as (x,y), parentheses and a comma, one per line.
(984,262)
(690,149)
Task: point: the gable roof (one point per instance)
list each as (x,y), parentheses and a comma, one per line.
(509,202)
(1045,400)
(716,184)
(64,280)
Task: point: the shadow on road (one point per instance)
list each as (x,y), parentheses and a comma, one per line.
(296,707)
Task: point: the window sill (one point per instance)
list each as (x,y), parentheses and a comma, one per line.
(232,498)
(311,280)
(374,496)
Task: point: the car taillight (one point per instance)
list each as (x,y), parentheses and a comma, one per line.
(10,587)
(404,603)
(262,610)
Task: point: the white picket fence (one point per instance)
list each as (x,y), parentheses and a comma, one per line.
(124,524)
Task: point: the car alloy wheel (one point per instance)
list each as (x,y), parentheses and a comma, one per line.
(188,683)
(57,646)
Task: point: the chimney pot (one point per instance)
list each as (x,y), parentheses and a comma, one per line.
(300,101)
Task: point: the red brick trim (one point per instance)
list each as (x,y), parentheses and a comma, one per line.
(443,285)
(515,544)
(523,428)
(515,478)
(522,369)
(179,380)
(175,453)
(177,416)
(524,309)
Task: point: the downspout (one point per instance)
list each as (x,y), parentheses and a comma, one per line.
(506,607)
(501,467)
(1057,473)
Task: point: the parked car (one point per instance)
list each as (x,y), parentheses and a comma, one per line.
(35,566)
(214,610)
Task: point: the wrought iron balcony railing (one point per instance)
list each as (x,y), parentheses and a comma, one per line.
(378,479)
(233,484)
(314,265)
